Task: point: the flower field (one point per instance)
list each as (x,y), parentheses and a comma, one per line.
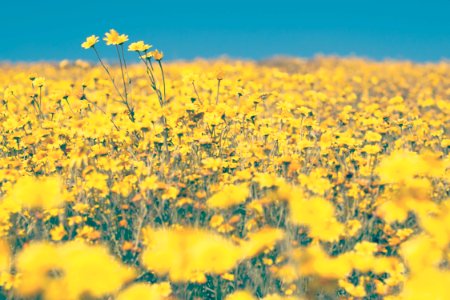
(138,178)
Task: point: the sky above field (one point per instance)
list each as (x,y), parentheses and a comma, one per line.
(53,30)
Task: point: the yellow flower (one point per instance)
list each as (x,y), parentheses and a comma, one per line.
(147,55)
(114,38)
(73,268)
(157,55)
(366,248)
(170,193)
(149,183)
(35,265)
(92,270)
(352,227)
(90,42)
(240,295)
(401,167)
(214,164)
(41,193)
(58,233)
(372,136)
(261,240)
(315,181)
(229,195)
(294,176)
(318,215)
(313,260)
(216,221)
(183,253)
(140,291)
(371,149)
(356,291)
(139,46)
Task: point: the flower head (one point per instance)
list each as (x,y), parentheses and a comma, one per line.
(147,55)
(158,55)
(74,268)
(90,42)
(114,38)
(139,46)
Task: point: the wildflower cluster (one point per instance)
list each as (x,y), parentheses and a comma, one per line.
(283,179)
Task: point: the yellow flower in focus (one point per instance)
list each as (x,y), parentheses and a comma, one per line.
(90,42)
(114,38)
(41,193)
(140,291)
(139,46)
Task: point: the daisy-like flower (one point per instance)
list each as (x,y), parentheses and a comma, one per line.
(139,46)
(114,38)
(157,55)
(90,42)
(147,55)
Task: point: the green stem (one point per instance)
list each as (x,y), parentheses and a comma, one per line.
(195,89)
(109,74)
(164,81)
(123,74)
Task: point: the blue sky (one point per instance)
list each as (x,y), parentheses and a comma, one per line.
(53,30)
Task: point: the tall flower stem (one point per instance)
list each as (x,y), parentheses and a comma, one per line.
(164,81)
(109,74)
